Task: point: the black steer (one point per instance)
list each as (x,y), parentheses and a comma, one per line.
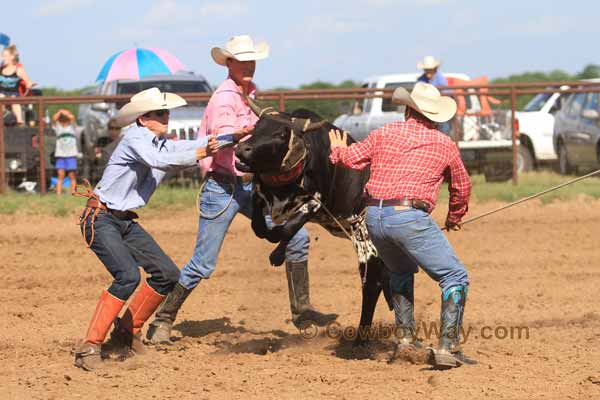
(295,183)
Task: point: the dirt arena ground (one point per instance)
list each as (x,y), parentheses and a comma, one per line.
(536,267)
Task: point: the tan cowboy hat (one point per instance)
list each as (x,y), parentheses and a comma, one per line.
(429,62)
(427,100)
(240,48)
(145,101)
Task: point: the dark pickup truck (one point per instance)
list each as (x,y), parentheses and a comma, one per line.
(22,156)
(21,147)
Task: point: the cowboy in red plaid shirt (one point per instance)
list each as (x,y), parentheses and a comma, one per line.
(409,161)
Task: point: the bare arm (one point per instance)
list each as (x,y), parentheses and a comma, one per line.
(23,75)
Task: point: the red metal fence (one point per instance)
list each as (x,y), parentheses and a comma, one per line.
(508,90)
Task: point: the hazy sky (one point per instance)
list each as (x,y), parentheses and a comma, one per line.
(65,42)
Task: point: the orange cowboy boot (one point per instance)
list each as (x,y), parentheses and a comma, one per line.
(128,328)
(87,353)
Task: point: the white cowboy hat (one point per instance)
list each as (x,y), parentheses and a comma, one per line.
(145,101)
(241,48)
(429,62)
(427,100)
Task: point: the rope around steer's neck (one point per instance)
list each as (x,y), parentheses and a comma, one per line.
(289,169)
(358,237)
(292,147)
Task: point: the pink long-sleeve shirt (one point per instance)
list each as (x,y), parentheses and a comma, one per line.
(226,112)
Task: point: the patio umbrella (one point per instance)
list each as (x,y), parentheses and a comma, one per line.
(4,40)
(137,63)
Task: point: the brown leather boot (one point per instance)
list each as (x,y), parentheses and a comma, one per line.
(87,353)
(159,331)
(128,329)
(303,313)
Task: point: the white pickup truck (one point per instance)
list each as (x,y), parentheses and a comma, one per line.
(484,139)
(536,126)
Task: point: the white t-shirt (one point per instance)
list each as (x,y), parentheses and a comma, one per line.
(66,141)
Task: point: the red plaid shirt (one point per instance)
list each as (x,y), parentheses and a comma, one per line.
(409,160)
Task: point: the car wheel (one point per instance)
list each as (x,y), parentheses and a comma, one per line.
(497,173)
(524,160)
(564,166)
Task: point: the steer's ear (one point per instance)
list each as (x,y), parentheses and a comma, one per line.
(303,125)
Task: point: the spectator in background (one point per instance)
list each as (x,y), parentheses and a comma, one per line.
(113,135)
(12,74)
(433,76)
(66,148)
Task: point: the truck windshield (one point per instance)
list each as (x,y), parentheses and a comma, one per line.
(387,104)
(537,102)
(165,86)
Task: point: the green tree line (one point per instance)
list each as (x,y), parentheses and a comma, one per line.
(590,71)
(52,91)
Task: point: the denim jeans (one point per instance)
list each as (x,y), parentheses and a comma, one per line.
(444,127)
(410,237)
(123,246)
(216,197)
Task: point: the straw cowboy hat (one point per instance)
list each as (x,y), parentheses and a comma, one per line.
(429,62)
(240,48)
(145,101)
(427,100)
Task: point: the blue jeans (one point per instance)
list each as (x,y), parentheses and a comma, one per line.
(444,127)
(212,229)
(123,246)
(410,237)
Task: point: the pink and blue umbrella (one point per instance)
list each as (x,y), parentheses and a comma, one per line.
(4,39)
(137,63)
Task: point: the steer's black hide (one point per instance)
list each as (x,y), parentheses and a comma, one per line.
(293,204)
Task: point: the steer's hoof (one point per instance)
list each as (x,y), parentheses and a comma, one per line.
(277,256)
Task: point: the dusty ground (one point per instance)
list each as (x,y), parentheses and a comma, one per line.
(534,267)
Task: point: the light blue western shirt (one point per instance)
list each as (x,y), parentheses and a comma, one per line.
(138,165)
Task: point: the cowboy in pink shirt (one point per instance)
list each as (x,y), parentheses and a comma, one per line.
(226,191)
(226,112)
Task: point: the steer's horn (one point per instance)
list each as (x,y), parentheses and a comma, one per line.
(257,110)
(305,125)
(313,126)
(254,107)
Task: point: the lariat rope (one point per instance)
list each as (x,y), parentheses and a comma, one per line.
(533,196)
(199,200)
(337,221)
(89,193)
(351,236)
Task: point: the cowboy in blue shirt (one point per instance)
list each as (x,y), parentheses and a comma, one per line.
(433,76)
(134,171)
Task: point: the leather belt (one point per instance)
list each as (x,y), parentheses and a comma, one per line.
(228,178)
(418,204)
(95,203)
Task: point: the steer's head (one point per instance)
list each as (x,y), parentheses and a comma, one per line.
(276,143)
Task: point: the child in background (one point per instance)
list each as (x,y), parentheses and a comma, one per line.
(66,147)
